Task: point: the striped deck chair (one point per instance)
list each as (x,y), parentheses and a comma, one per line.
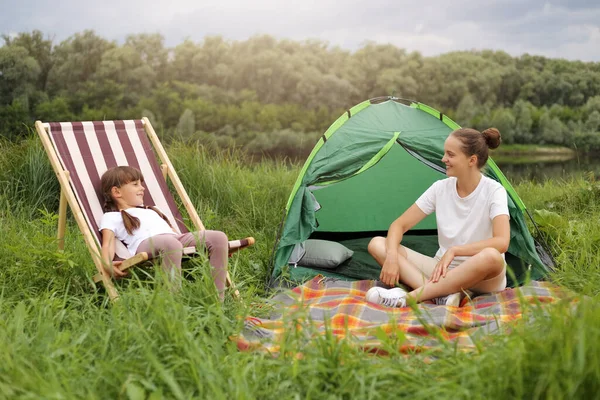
(80,152)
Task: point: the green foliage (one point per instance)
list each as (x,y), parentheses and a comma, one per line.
(467,110)
(522,111)
(593,122)
(253,92)
(26,177)
(56,109)
(552,129)
(75,62)
(38,48)
(14,121)
(18,73)
(187,125)
(505,122)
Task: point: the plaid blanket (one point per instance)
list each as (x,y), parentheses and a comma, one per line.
(336,307)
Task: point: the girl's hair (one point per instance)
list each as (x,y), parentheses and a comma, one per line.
(478,143)
(116,177)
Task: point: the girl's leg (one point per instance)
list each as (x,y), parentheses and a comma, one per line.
(415,268)
(217,245)
(169,247)
(485,266)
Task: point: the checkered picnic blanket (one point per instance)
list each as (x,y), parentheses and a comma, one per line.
(336,307)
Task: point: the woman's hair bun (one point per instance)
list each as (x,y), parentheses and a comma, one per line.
(492,137)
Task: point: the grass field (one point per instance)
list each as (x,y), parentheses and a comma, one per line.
(62,340)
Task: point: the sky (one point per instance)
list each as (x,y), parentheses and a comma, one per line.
(557,29)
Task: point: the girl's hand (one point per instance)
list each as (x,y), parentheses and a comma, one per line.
(441,268)
(390,272)
(116,272)
(108,253)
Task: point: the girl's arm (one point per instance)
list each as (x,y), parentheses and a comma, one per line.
(499,241)
(108,254)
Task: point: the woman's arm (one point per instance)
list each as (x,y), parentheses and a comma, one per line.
(390,270)
(108,254)
(499,241)
(398,228)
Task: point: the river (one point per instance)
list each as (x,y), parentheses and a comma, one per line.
(539,169)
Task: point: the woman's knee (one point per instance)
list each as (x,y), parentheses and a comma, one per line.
(376,245)
(492,260)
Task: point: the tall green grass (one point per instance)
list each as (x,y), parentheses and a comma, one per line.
(60,339)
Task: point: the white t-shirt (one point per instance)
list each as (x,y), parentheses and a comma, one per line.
(463,220)
(151,224)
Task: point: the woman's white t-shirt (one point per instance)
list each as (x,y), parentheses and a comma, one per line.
(151,224)
(463,220)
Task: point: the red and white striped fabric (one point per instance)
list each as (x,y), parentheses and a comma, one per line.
(88,149)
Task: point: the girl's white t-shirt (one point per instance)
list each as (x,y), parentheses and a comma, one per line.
(151,224)
(463,220)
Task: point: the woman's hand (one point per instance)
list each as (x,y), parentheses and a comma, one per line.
(390,272)
(441,268)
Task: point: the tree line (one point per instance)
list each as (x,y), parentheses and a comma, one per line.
(277,97)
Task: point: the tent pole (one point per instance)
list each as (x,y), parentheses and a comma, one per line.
(544,243)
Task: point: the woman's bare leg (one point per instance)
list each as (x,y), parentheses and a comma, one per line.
(486,264)
(409,273)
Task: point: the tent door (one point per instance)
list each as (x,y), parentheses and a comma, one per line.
(374,160)
(423,160)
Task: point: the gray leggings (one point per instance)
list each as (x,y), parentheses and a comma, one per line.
(171,248)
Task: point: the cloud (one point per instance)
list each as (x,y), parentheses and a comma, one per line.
(558,28)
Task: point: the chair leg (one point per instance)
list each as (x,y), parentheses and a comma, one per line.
(104,278)
(110,289)
(62,220)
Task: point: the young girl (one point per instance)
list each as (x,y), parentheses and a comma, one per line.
(147,229)
(473,231)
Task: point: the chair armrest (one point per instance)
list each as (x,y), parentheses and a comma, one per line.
(126,264)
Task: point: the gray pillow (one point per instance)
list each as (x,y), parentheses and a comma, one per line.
(324,254)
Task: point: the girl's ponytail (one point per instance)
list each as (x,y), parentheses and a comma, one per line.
(109,204)
(131,223)
(163,216)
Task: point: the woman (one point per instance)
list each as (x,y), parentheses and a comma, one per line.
(473,231)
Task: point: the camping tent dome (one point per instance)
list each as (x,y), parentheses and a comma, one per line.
(371,164)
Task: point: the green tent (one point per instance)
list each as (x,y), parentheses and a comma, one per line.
(371,164)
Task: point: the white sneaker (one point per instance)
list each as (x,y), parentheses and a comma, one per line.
(395,297)
(452,300)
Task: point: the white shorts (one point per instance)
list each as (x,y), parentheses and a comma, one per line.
(427,264)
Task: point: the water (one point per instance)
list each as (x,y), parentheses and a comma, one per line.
(518,169)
